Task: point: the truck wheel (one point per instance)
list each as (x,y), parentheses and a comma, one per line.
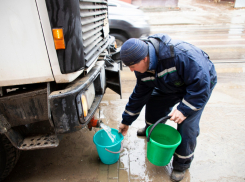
(120,39)
(9,156)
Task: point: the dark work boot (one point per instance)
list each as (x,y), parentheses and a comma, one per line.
(177,175)
(142,131)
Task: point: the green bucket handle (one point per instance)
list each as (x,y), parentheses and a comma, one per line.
(117,151)
(161,120)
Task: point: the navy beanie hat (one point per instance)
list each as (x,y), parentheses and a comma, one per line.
(133,51)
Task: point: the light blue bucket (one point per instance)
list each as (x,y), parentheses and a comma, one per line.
(108,151)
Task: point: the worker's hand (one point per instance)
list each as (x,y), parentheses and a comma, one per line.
(177,116)
(123,129)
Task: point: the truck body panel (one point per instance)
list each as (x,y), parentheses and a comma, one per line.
(46,91)
(22,44)
(54,63)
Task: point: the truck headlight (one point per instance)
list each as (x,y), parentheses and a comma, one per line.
(84,105)
(87,99)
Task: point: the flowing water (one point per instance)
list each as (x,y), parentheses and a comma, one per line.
(108,131)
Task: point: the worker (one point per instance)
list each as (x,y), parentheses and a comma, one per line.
(169,72)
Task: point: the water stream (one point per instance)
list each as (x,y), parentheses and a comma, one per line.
(108,131)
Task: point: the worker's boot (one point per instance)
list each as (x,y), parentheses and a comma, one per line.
(142,131)
(177,175)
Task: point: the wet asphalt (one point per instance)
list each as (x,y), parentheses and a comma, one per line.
(218,29)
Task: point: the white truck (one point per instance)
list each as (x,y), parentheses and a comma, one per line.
(56,61)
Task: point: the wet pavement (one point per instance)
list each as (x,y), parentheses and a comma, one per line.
(220,154)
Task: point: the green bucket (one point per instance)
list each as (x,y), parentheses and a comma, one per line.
(108,151)
(162,141)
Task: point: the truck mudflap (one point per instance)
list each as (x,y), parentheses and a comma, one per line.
(113,78)
(67,109)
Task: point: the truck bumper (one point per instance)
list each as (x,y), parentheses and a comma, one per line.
(66,106)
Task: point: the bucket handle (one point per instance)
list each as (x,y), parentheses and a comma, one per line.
(161,120)
(117,151)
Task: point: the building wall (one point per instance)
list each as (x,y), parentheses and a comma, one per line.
(127,1)
(153,3)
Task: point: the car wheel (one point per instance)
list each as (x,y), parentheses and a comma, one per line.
(9,156)
(120,39)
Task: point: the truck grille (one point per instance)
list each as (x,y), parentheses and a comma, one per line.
(94,16)
(85,26)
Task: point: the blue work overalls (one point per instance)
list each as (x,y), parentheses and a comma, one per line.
(179,73)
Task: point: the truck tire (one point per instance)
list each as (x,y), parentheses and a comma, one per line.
(9,156)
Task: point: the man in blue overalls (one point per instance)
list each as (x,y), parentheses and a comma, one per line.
(169,72)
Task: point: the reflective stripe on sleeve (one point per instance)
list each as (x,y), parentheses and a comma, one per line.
(184,157)
(189,105)
(132,114)
(150,78)
(164,72)
(148,122)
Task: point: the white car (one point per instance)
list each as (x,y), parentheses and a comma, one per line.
(126,21)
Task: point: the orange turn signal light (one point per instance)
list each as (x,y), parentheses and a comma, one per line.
(115,44)
(59,41)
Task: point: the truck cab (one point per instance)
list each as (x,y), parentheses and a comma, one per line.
(57,59)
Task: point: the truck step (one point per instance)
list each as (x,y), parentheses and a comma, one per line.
(39,142)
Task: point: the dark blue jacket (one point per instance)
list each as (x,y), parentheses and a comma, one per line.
(179,68)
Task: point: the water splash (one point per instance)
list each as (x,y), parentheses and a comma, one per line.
(108,131)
